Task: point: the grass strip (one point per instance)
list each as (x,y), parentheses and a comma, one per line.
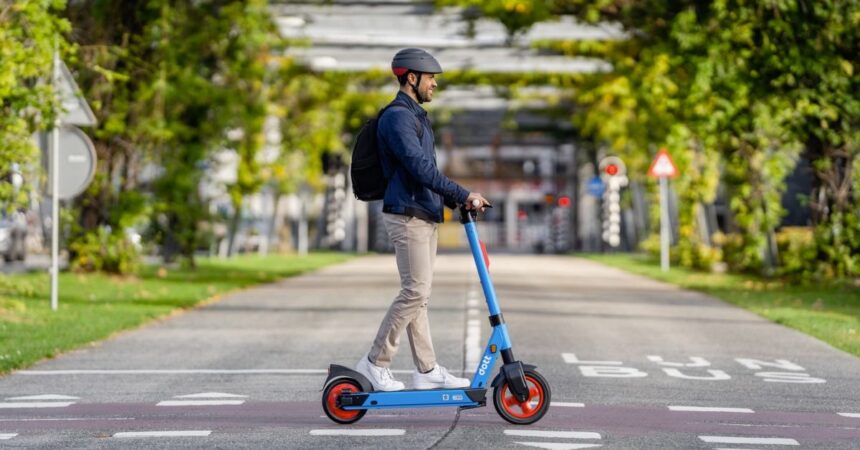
(827,311)
(94,306)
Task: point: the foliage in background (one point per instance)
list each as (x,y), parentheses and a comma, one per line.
(29,32)
(739,89)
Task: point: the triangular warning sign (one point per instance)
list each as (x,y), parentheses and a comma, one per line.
(663,165)
(76,110)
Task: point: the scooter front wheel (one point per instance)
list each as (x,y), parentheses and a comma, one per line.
(529,411)
(331,401)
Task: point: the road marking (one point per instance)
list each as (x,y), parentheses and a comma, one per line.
(364,432)
(211,395)
(7,436)
(567,404)
(45,397)
(199,402)
(710,409)
(571,358)
(852,415)
(184,372)
(174,433)
(17,405)
(52,419)
(748,440)
(557,445)
(177,372)
(473,330)
(554,434)
(696,361)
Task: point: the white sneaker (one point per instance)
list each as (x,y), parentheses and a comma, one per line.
(380,377)
(438,378)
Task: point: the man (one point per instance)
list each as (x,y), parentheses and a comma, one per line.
(412,209)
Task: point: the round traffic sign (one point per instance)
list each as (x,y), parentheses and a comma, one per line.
(77,163)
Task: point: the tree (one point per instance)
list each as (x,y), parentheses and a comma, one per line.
(30,30)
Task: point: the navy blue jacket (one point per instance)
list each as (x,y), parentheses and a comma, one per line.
(416,187)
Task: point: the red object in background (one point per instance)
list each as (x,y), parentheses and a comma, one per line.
(486,257)
(564,202)
(663,166)
(611,169)
(521,214)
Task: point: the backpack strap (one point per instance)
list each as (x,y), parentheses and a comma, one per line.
(419,129)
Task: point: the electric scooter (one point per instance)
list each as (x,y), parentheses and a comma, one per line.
(520,394)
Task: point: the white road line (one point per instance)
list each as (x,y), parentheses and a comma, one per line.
(852,415)
(748,440)
(211,395)
(363,432)
(61,419)
(567,404)
(18,405)
(473,331)
(557,445)
(200,402)
(184,372)
(7,436)
(710,409)
(177,372)
(174,433)
(554,434)
(45,397)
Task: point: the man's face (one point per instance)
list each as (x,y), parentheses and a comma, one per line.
(427,86)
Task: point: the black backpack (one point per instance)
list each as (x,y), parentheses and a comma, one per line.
(368,179)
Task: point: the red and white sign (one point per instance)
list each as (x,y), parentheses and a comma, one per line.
(663,165)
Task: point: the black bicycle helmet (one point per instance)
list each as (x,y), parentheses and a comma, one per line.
(415,60)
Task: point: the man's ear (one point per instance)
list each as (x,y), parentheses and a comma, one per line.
(411,77)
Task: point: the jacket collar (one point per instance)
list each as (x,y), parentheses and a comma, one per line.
(413,105)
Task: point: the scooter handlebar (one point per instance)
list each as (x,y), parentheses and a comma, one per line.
(471,215)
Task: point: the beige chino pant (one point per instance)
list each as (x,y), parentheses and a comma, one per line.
(414,243)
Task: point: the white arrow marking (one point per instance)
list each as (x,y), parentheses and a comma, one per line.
(7,436)
(45,397)
(200,402)
(852,415)
(557,445)
(20,405)
(554,434)
(365,432)
(567,404)
(175,433)
(211,395)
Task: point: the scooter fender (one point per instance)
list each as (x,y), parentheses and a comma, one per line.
(514,374)
(336,372)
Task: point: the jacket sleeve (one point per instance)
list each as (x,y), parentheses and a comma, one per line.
(398,131)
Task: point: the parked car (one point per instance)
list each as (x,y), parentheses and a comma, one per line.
(13,236)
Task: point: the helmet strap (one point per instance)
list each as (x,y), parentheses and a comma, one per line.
(415,88)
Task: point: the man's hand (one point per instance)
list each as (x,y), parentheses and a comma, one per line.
(476,196)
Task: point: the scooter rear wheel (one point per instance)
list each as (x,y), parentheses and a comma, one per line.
(331,402)
(529,411)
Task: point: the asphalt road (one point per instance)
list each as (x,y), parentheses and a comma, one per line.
(632,363)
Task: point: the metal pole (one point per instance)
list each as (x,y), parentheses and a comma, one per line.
(55,189)
(664,224)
